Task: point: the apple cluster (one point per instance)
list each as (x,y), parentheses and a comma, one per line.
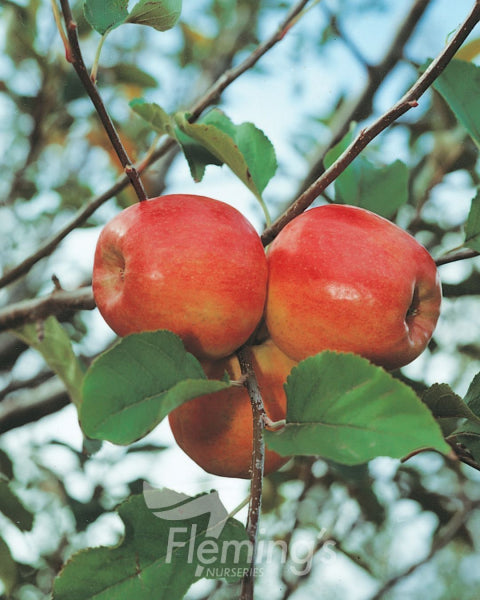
(336,277)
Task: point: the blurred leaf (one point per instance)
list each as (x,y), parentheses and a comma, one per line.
(104,15)
(468,434)
(459,84)
(53,343)
(130,388)
(6,465)
(13,508)
(129,74)
(153,114)
(381,189)
(8,568)
(469,50)
(243,148)
(73,193)
(472,226)
(343,408)
(159,14)
(147,564)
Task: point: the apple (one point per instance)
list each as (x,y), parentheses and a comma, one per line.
(216,430)
(186,263)
(343,278)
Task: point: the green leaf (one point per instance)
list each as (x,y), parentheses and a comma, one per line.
(445,404)
(104,15)
(129,74)
(381,189)
(153,114)
(53,343)
(459,84)
(13,508)
(198,157)
(472,397)
(472,226)
(158,558)
(469,435)
(159,14)
(130,388)
(343,408)
(244,148)
(447,407)
(8,568)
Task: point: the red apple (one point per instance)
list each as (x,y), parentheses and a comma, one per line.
(216,430)
(186,263)
(342,278)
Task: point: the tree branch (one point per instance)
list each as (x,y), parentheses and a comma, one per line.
(460,255)
(56,303)
(244,355)
(74,55)
(409,100)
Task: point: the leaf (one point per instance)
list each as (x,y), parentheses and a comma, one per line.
(104,15)
(130,388)
(8,568)
(469,435)
(459,84)
(153,114)
(244,148)
(381,189)
(472,397)
(159,14)
(445,404)
(13,508)
(157,558)
(447,407)
(472,226)
(55,347)
(343,408)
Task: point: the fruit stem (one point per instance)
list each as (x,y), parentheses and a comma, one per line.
(244,355)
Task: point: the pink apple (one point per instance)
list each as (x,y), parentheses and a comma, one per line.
(345,279)
(186,263)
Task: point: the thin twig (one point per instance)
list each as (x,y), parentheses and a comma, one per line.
(76,59)
(460,255)
(409,100)
(56,303)
(445,535)
(258,459)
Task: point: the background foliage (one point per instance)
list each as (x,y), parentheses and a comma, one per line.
(385,529)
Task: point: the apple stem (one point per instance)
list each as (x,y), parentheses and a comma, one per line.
(76,58)
(244,355)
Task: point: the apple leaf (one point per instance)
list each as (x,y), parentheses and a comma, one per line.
(244,148)
(381,189)
(8,568)
(459,85)
(12,507)
(53,343)
(472,226)
(447,407)
(343,408)
(130,388)
(154,115)
(159,14)
(157,558)
(104,15)
(472,397)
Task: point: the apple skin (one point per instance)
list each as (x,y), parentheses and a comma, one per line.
(342,278)
(216,430)
(186,263)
